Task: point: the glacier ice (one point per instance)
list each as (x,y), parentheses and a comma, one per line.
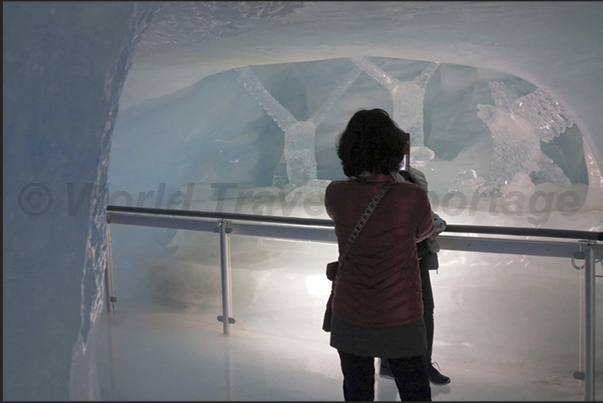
(408,100)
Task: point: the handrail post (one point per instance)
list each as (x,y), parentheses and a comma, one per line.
(589,301)
(226,318)
(109,274)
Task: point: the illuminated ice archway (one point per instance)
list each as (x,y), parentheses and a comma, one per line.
(69,52)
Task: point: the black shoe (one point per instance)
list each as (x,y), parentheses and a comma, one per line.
(384,371)
(436,377)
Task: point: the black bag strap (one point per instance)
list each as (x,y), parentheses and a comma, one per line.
(363,219)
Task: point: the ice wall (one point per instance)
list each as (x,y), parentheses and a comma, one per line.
(62,78)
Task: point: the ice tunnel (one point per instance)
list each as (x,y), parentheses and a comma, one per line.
(234,108)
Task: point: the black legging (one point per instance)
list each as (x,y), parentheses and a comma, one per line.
(428,306)
(410,374)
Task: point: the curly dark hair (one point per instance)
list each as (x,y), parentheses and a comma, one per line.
(371,142)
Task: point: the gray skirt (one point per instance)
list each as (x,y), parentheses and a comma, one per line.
(386,342)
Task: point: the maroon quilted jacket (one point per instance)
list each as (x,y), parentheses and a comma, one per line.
(379,284)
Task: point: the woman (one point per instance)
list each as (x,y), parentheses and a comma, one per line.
(377,306)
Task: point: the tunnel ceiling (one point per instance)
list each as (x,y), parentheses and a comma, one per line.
(187,41)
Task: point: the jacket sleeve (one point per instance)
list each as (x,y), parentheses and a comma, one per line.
(424,218)
(419,178)
(328,200)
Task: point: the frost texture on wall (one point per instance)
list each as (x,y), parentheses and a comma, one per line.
(191,23)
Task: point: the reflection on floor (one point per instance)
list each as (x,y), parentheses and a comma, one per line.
(157,353)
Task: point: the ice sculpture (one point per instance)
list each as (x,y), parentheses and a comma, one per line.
(408,100)
(466,181)
(594,196)
(298,163)
(517,125)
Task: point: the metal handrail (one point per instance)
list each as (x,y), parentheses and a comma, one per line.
(473,229)
(297,228)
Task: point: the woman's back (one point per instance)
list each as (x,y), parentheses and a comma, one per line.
(379,284)
(376,300)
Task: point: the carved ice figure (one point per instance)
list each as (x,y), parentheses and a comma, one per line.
(298,162)
(517,125)
(594,195)
(408,100)
(466,182)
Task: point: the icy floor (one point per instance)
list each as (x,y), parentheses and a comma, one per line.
(163,353)
(507,327)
